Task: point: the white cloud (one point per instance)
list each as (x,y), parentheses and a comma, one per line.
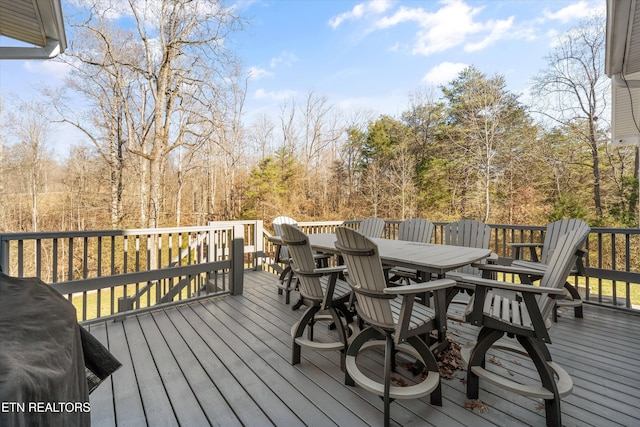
(443,73)
(257,73)
(285,58)
(54,70)
(275,95)
(451,25)
(581,9)
(498,31)
(372,7)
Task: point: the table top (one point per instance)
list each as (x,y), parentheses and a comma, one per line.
(428,257)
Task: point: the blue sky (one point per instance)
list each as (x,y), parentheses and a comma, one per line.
(371,54)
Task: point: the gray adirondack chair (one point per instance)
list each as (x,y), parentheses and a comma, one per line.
(553,232)
(286,282)
(469,233)
(391,315)
(525,316)
(371,227)
(321,289)
(412,230)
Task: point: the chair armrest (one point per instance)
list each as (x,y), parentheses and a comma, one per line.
(511,269)
(479,281)
(275,240)
(417,288)
(492,258)
(529,265)
(539,268)
(331,270)
(525,245)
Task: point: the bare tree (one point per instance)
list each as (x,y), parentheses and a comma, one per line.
(261,134)
(108,90)
(30,153)
(573,90)
(176,62)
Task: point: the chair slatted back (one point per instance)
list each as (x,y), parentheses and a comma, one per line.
(364,271)
(371,227)
(302,261)
(562,261)
(553,233)
(469,233)
(416,230)
(277,231)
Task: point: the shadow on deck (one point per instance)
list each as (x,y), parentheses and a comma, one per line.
(225,362)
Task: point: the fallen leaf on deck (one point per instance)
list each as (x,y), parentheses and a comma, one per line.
(399,382)
(495,361)
(450,360)
(476,404)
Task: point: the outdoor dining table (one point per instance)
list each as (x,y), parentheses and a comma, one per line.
(430,258)
(427,258)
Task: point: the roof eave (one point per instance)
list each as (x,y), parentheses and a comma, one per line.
(618,17)
(52,23)
(51,50)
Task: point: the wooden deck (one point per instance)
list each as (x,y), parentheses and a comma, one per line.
(225,362)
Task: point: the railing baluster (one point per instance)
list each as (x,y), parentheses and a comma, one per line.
(70,258)
(614,267)
(54,260)
(20,258)
(627,267)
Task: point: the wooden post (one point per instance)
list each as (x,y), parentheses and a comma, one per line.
(125,304)
(258,237)
(237,260)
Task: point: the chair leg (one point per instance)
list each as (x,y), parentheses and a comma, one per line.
(486,338)
(307,318)
(577,311)
(282,278)
(342,334)
(539,354)
(288,289)
(388,365)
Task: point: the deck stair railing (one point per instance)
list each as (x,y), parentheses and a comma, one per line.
(109,272)
(130,302)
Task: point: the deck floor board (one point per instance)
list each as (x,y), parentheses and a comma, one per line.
(226,361)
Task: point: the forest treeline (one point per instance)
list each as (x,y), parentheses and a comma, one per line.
(167,142)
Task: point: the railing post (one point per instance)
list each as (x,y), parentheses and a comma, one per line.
(258,240)
(237,260)
(125,304)
(4,255)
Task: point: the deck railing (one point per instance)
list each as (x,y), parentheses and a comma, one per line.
(111,272)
